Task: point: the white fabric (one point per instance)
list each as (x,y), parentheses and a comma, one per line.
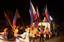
(1,38)
(46,24)
(17,40)
(25,37)
(51,18)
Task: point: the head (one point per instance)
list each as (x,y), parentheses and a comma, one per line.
(47,28)
(16,30)
(5,30)
(26,26)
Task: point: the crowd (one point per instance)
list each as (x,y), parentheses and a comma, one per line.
(26,34)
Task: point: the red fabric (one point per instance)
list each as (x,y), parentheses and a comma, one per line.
(46,14)
(35,17)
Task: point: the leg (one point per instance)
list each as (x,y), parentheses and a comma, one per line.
(44,36)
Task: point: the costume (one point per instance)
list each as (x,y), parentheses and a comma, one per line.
(25,37)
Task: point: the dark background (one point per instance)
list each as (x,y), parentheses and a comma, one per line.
(55,9)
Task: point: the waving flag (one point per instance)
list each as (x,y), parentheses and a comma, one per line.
(37,12)
(16,16)
(7,18)
(48,17)
(14,20)
(38,17)
(32,12)
(31,17)
(46,14)
(51,18)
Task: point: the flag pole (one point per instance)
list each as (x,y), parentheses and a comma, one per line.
(7,19)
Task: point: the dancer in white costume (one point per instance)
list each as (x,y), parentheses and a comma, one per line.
(3,35)
(1,38)
(24,37)
(47,25)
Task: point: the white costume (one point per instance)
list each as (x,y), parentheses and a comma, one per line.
(25,37)
(1,38)
(46,24)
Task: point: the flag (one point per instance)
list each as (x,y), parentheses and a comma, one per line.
(51,18)
(17,14)
(7,18)
(32,12)
(31,17)
(14,20)
(37,12)
(47,16)
(38,17)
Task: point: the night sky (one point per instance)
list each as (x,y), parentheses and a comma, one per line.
(55,9)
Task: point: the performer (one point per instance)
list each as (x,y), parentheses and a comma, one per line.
(33,32)
(16,34)
(5,33)
(23,37)
(47,32)
(10,35)
(42,34)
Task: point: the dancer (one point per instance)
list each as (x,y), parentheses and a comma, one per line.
(23,37)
